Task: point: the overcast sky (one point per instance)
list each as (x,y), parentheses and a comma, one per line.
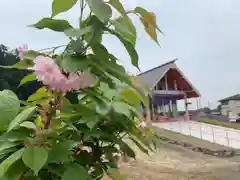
(203,34)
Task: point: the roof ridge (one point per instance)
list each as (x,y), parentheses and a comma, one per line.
(169,62)
(230,97)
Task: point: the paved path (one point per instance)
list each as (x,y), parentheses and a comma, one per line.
(216,134)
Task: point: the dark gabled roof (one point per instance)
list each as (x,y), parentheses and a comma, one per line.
(153,75)
(234,97)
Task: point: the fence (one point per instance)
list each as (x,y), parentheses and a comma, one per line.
(216,134)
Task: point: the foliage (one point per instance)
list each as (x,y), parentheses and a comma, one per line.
(206,110)
(76,135)
(10,78)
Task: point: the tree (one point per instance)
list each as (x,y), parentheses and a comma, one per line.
(207,110)
(52,138)
(10,78)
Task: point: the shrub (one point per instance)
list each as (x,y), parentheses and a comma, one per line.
(52,137)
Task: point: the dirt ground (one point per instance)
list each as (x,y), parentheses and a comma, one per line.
(172,162)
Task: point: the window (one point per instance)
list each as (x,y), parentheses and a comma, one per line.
(225,103)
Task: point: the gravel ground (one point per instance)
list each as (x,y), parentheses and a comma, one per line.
(176,163)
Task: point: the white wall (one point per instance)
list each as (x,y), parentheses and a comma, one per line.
(216,134)
(232,109)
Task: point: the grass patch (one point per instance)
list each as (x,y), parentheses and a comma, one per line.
(223,124)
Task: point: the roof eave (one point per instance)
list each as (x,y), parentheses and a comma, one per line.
(169,62)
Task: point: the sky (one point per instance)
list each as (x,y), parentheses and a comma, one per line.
(204,35)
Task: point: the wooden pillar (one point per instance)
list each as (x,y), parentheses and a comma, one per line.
(170,108)
(174,107)
(197,100)
(166,84)
(151,113)
(148,115)
(175,85)
(186,108)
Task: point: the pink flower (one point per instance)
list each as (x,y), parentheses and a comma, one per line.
(50,75)
(85,79)
(21,50)
(80,80)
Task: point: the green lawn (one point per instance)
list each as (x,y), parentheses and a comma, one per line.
(224,124)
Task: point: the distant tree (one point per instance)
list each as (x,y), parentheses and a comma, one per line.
(206,110)
(10,78)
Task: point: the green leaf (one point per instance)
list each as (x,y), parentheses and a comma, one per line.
(35,158)
(76,46)
(15,170)
(29,125)
(9,107)
(103,109)
(92,121)
(131,96)
(74,63)
(7,145)
(28,78)
(53,24)
(129,47)
(23,64)
(40,94)
(139,145)
(75,172)
(60,152)
(125,27)
(5,153)
(121,108)
(96,35)
(84,110)
(59,6)
(108,92)
(114,174)
(111,67)
(139,136)
(23,116)
(78,32)
(32,177)
(100,9)
(31,55)
(127,149)
(100,51)
(4,166)
(117,5)
(18,135)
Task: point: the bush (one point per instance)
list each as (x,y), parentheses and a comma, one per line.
(73,126)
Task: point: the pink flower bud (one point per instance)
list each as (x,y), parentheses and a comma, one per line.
(50,75)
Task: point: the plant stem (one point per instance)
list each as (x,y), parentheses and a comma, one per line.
(81,12)
(22,174)
(56,47)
